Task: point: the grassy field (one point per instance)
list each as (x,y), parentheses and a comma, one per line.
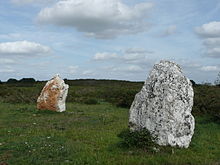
(87,134)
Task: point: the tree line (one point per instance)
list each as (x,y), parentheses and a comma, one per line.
(32,81)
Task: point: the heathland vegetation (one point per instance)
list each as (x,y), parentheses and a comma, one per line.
(93,129)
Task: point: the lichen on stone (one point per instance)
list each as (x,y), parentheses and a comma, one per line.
(164,105)
(53,95)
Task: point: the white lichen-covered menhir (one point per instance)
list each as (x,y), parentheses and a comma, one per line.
(164,105)
(53,96)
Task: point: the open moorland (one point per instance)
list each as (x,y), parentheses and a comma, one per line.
(87,132)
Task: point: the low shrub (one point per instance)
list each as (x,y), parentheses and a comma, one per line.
(138,139)
(91,101)
(121,97)
(206,101)
(118,93)
(18,94)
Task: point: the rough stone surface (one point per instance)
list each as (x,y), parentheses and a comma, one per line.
(164,105)
(53,95)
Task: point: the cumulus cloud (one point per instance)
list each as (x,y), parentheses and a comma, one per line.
(130,68)
(210,68)
(7,70)
(212,47)
(213,52)
(105,56)
(137,51)
(211,29)
(133,57)
(212,42)
(137,56)
(210,34)
(7,61)
(131,61)
(23,48)
(191,65)
(103,19)
(88,72)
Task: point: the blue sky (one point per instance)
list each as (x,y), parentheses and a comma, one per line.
(108,39)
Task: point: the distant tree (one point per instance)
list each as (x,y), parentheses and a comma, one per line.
(1,82)
(27,80)
(12,81)
(193,83)
(207,83)
(65,80)
(217,81)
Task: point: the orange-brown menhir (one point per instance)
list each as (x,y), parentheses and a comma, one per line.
(53,95)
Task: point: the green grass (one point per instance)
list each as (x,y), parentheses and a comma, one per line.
(87,134)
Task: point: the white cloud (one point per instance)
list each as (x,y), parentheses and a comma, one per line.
(211,29)
(212,42)
(137,56)
(210,68)
(105,56)
(130,68)
(88,72)
(131,61)
(23,48)
(7,61)
(7,70)
(102,19)
(212,46)
(213,52)
(188,63)
(133,57)
(137,51)
(211,38)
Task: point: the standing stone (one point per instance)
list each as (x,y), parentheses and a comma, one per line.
(164,105)
(53,95)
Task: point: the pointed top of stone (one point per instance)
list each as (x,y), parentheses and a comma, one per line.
(167,63)
(56,76)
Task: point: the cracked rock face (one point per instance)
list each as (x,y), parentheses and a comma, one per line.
(164,105)
(53,96)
